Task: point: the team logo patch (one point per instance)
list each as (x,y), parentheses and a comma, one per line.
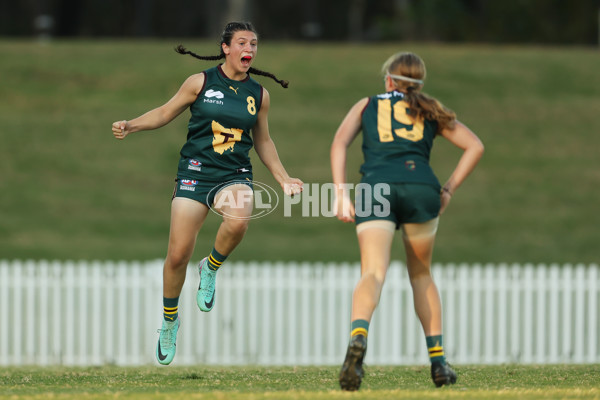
(410,165)
(194,165)
(188,184)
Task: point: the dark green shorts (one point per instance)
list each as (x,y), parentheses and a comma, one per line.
(205,191)
(397,202)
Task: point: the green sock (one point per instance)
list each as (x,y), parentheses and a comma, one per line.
(170,308)
(359,327)
(215,259)
(435,348)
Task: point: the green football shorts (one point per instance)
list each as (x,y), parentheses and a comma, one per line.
(205,191)
(397,202)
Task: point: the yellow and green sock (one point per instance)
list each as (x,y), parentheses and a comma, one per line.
(359,327)
(435,348)
(170,308)
(215,259)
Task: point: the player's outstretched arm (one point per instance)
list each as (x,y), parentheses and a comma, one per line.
(164,114)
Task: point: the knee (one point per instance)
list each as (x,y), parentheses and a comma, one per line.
(237,227)
(374,277)
(177,260)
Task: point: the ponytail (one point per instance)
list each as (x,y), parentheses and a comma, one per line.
(424,106)
(408,72)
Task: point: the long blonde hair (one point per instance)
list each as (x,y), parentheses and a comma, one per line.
(411,66)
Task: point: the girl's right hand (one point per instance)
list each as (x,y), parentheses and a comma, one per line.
(120,129)
(344,208)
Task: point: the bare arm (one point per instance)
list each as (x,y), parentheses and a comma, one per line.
(462,137)
(346,133)
(266,150)
(164,114)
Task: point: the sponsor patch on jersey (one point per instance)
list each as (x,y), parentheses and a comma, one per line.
(214,93)
(188,184)
(213,97)
(389,95)
(194,165)
(410,165)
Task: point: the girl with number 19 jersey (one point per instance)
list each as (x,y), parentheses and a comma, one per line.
(398,190)
(396,148)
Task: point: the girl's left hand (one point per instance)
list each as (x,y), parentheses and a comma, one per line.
(445,198)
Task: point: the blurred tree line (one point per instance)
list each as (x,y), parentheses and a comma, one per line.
(496,21)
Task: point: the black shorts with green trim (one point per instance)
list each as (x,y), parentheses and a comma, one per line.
(400,203)
(205,191)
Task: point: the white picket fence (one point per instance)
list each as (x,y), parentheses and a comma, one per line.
(93,313)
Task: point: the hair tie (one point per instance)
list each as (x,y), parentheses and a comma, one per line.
(405,78)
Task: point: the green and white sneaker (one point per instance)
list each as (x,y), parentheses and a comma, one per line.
(165,350)
(206,290)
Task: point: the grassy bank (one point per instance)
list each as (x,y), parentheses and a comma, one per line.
(71,191)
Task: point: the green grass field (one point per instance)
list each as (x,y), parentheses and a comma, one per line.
(71,191)
(283,383)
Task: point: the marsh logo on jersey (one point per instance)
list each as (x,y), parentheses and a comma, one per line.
(188,184)
(214,93)
(208,97)
(194,165)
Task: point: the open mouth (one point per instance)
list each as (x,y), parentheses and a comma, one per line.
(246,60)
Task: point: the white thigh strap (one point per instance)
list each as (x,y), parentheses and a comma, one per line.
(377,223)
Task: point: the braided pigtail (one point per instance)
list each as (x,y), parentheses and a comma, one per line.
(182,50)
(282,82)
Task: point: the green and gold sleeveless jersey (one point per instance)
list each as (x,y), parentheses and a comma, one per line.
(218,139)
(396,148)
